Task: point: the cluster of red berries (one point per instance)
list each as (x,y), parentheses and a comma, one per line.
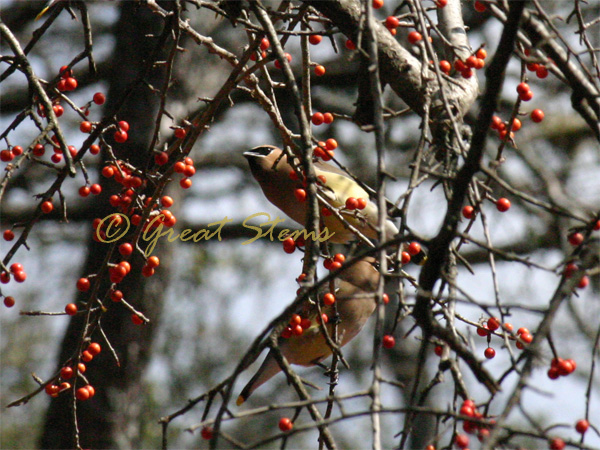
(55,387)
(469,409)
(17,271)
(325,150)
(561,368)
(290,245)
(540,70)
(474,62)
(319,118)
(297,325)
(185,168)
(334,263)
(488,327)
(410,250)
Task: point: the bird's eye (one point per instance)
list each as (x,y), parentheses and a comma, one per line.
(262,151)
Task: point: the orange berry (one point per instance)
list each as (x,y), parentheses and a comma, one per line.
(319,70)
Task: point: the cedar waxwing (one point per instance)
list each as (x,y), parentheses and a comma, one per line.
(355,301)
(338,186)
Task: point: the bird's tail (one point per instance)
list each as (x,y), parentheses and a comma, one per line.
(267,370)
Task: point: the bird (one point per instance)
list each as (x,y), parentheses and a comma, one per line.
(336,186)
(355,301)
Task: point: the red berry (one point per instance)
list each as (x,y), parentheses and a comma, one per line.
(585,280)
(289,246)
(319,70)
(185,183)
(264,44)
(414,248)
(570,269)
(285,424)
(6,156)
(83,284)
(582,426)
(315,39)
(207,432)
(94,348)
(405,258)
(597,225)
(123,125)
(553,373)
(351,203)
(522,88)
(47,207)
(479,6)
(526,96)
(125,249)
(467,73)
(388,341)
(137,320)
(39,150)
(58,110)
(120,136)
(438,351)
(481,53)
(361,203)
(85,126)
(414,37)
(557,444)
(180,133)
(329,299)
(116,296)
(489,353)
(95,189)
(493,323)
(66,372)
(537,115)
(317,118)
(161,158)
(377,4)
(189,171)
(350,45)
(471,61)
(445,66)
(483,331)
(82,394)
(503,204)
(575,239)
(468,212)
(440,4)
(9,301)
(70,84)
(392,22)
(331,144)
(461,440)
(17,150)
(84,191)
(516,125)
(99,98)
(541,72)
(327,118)
(8,235)
(86,356)
(300,195)
(71,309)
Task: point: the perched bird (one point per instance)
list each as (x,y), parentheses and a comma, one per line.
(280,185)
(355,302)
